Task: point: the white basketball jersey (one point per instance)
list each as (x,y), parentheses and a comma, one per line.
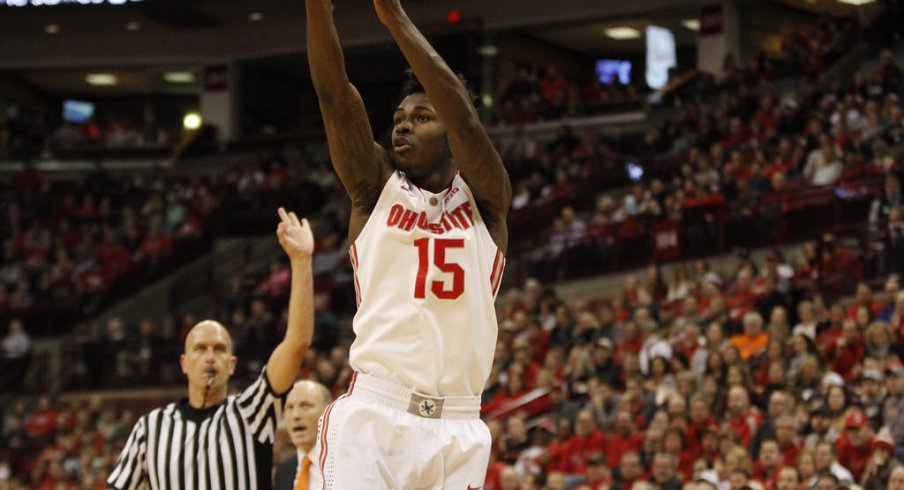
(426,276)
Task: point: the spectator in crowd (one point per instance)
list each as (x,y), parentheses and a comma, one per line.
(16,348)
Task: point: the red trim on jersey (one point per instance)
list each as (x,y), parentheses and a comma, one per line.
(496,274)
(351,386)
(499,279)
(353,257)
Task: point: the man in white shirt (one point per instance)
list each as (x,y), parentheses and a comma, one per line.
(304,405)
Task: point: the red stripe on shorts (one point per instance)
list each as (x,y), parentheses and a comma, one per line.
(323,445)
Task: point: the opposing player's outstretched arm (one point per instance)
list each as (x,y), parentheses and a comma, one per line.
(469,142)
(297,241)
(363,165)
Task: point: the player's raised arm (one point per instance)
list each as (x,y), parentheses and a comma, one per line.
(297,241)
(363,166)
(471,147)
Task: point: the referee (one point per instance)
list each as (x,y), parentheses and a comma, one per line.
(211,441)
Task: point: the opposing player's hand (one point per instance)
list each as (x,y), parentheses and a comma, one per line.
(295,236)
(389,11)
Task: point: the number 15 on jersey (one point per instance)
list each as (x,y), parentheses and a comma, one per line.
(441,289)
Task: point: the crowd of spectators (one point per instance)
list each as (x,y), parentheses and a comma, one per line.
(729,381)
(733,380)
(733,171)
(759,378)
(544,94)
(53,445)
(28,133)
(70,243)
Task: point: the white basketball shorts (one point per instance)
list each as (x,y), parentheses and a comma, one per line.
(383,436)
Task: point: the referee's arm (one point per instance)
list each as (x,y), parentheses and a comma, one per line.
(297,241)
(130,470)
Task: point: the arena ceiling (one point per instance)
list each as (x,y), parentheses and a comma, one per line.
(53,48)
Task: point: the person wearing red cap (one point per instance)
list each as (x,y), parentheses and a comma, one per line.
(855,447)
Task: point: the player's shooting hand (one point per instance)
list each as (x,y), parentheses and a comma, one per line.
(295,236)
(389,11)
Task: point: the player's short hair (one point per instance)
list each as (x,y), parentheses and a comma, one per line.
(411,85)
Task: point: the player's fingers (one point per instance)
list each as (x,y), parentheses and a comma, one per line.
(294,219)
(282,214)
(305,223)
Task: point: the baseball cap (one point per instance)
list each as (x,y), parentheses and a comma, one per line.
(833,378)
(855,419)
(872,374)
(753,485)
(883,440)
(508,325)
(895,370)
(604,342)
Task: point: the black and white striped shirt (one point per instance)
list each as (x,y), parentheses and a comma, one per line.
(228,447)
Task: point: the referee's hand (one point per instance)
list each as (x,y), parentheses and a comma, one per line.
(295,236)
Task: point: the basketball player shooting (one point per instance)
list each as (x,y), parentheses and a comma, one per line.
(428,236)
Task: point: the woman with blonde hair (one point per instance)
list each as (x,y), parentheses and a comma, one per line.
(735,459)
(879,340)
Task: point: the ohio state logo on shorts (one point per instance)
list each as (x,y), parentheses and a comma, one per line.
(429,408)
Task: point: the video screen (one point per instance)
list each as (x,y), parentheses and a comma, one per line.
(77,111)
(606,70)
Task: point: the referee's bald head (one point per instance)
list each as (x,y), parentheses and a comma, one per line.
(208,327)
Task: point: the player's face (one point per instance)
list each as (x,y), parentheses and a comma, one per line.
(304,405)
(419,139)
(208,349)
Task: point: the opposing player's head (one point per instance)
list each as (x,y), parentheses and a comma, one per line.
(419,138)
(208,359)
(304,404)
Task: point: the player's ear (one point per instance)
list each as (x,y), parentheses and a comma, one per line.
(232,363)
(182,363)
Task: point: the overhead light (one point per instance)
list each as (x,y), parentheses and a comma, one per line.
(133,26)
(179,77)
(256,16)
(488,50)
(691,24)
(622,33)
(191,121)
(856,2)
(101,79)
(52,28)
